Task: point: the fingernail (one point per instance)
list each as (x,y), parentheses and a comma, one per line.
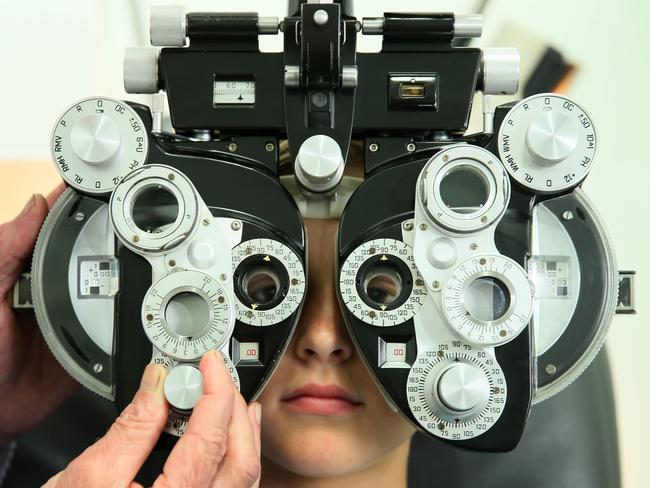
(258,412)
(217,354)
(151,377)
(28,206)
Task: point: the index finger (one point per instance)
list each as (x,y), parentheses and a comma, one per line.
(196,456)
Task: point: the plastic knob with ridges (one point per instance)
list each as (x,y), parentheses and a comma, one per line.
(141,70)
(319,164)
(183,387)
(168,25)
(462,387)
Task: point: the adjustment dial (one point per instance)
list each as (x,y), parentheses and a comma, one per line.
(380,283)
(96,142)
(178,417)
(185,314)
(547,143)
(269,281)
(487,300)
(455,391)
(183,387)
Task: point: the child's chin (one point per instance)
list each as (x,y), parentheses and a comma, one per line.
(318,454)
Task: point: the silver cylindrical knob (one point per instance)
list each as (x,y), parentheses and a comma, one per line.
(372,26)
(168,25)
(551,137)
(466,26)
(500,71)
(268,25)
(141,70)
(183,387)
(95,139)
(319,164)
(462,387)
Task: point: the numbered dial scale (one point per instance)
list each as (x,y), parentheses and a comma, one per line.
(185,314)
(547,143)
(487,300)
(269,281)
(96,142)
(381,284)
(456,392)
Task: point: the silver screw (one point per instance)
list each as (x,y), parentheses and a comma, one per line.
(135,238)
(205,222)
(408,225)
(435,285)
(445,158)
(551,369)
(270,147)
(223,276)
(410,147)
(98,368)
(373,147)
(232,147)
(424,226)
(568,215)
(473,246)
(79,216)
(171,176)
(235,225)
(172,263)
(319,99)
(484,219)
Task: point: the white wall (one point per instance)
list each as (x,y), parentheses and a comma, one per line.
(53,53)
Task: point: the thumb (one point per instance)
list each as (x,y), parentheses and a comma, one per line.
(134,434)
(116,458)
(17,238)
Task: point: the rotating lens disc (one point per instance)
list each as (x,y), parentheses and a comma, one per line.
(487,300)
(186,314)
(380,283)
(269,281)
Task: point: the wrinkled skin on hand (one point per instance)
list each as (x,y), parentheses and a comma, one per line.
(32,382)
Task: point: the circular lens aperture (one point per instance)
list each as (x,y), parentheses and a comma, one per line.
(487,299)
(155,209)
(187,314)
(383,285)
(261,285)
(261,282)
(463,190)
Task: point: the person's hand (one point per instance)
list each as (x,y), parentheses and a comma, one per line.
(220,448)
(32,383)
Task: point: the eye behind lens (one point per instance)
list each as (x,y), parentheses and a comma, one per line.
(261,282)
(384,282)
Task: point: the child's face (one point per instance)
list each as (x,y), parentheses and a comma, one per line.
(317,433)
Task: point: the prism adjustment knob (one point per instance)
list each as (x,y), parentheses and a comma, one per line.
(96,142)
(462,388)
(547,143)
(319,164)
(183,387)
(95,139)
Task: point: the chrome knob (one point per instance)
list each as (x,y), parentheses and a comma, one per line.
(183,387)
